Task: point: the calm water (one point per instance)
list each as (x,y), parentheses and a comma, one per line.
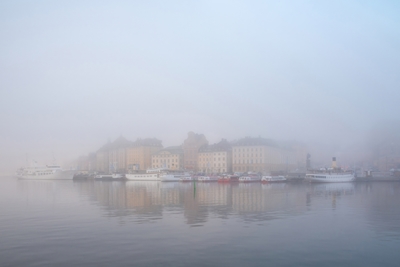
(66,223)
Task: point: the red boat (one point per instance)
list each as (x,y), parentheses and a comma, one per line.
(229,179)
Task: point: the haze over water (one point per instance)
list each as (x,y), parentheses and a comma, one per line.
(92,223)
(77,73)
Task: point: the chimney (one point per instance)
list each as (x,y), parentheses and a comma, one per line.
(334,166)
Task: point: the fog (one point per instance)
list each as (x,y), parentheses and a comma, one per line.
(75,74)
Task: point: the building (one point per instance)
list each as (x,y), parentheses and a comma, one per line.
(262,155)
(139,153)
(191,147)
(169,158)
(117,155)
(216,158)
(102,164)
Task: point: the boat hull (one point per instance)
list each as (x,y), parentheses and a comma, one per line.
(330,178)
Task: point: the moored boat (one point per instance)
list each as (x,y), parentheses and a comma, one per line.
(48,172)
(149,175)
(207,178)
(186,179)
(110,177)
(228,179)
(331,175)
(273,179)
(249,179)
(173,177)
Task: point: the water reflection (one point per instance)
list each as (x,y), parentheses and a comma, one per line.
(199,203)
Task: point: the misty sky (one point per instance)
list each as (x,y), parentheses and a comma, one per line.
(76,73)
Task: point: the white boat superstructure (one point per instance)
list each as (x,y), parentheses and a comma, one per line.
(249,179)
(173,177)
(149,175)
(330,177)
(48,172)
(207,179)
(186,179)
(273,179)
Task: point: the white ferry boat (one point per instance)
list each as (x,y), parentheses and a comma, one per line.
(207,179)
(249,179)
(150,175)
(48,172)
(330,177)
(273,179)
(173,177)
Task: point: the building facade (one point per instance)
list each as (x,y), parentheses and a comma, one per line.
(261,155)
(216,158)
(139,153)
(102,164)
(117,155)
(168,158)
(191,147)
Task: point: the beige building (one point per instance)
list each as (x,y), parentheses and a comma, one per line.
(168,158)
(215,158)
(262,155)
(139,153)
(191,147)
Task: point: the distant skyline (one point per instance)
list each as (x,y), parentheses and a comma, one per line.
(76,73)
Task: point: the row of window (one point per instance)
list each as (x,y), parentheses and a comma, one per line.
(246,149)
(205,159)
(165,160)
(247,161)
(215,165)
(248,155)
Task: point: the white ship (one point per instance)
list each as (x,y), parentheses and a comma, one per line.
(149,175)
(331,175)
(48,172)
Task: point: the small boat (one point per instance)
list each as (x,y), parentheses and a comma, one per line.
(228,179)
(207,179)
(273,179)
(249,179)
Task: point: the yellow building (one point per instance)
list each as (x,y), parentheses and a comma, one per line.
(138,154)
(191,147)
(262,155)
(169,158)
(215,158)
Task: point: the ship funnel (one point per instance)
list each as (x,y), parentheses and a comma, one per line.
(334,166)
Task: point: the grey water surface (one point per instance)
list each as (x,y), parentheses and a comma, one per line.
(94,223)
